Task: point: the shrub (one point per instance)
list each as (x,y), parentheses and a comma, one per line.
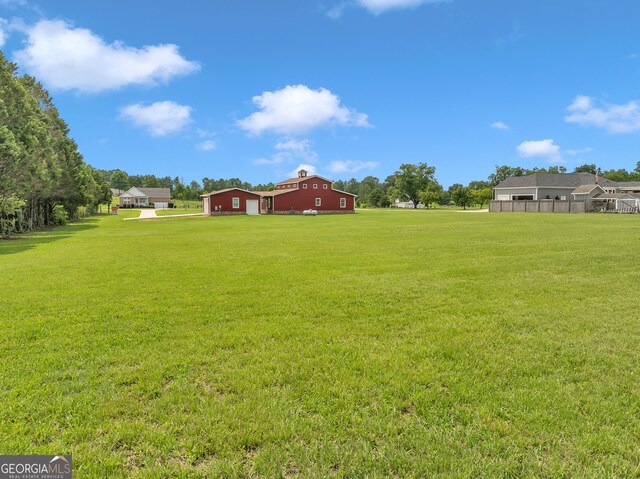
(59,216)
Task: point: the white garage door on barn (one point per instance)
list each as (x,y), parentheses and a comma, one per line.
(252,207)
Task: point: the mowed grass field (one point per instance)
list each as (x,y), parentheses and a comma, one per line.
(381,344)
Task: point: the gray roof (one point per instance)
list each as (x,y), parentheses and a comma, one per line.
(559,180)
(629,184)
(613,196)
(582,189)
(156,192)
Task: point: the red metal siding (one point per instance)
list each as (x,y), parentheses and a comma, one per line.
(226,201)
(305,199)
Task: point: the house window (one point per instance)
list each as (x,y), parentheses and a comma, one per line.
(315,186)
(304,186)
(325,186)
(318,202)
(563,198)
(236,202)
(343,202)
(126,201)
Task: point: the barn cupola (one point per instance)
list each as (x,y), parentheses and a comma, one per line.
(302,174)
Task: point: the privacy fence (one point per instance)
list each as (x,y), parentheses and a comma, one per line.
(539,206)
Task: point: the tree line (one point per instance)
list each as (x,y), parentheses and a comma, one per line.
(43,177)
(414,183)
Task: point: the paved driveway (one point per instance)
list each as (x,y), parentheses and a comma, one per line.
(144,214)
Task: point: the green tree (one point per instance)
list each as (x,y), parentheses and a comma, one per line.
(503,172)
(119,180)
(41,167)
(410,180)
(461,196)
(366,187)
(586,168)
(557,169)
(482,196)
(428,197)
(378,198)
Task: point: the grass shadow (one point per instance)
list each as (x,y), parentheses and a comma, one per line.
(27,241)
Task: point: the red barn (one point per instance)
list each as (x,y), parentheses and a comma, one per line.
(232,201)
(293,195)
(308,193)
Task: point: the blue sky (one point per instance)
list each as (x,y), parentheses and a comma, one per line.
(253,89)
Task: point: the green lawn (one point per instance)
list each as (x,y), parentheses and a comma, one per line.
(381,344)
(179,211)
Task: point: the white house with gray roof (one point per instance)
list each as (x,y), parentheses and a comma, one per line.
(594,193)
(136,197)
(553,186)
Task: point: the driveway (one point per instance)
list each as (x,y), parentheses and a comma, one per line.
(145,214)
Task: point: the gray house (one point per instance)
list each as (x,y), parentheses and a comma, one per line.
(573,193)
(552,186)
(629,186)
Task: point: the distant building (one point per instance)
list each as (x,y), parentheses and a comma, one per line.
(540,186)
(294,195)
(136,197)
(594,193)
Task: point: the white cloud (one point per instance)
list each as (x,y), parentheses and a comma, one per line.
(311,170)
(500,125)
(610,117)
(540,149)
(288,151)
(205,133)
(13,3)
(263,161)
(3,32)
(336,11)
(349,166)
(68,58)
(160,118)
(298,109)
(379,6)
(579,151)
(207,145)
(298,149)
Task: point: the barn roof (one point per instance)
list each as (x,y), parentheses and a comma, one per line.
(257,193)
(275,192)
(304,178)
